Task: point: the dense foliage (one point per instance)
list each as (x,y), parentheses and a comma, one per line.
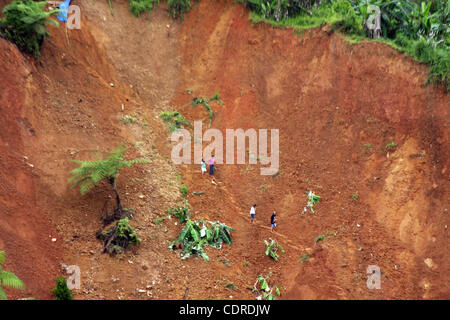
(421,29)
(137,7)
(25,23)
(196,235)
(178,8)
(61,290)
(8,279)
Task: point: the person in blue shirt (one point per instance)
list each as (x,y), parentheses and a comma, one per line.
(203,166)
(273,220)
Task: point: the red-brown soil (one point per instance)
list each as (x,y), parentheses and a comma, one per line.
(328,98)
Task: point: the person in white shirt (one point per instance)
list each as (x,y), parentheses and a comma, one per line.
(253,212)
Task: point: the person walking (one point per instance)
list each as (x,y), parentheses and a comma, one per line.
(273,219)
(211,165)
(253,212)
(203,166)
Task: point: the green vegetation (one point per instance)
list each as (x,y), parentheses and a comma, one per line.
(184,190)
(177,8)
(25,23)
(128,119)
(319,238)
(206,105)
(312,199)
(8,279)
(418,28)
(305,258)
(174,119)
(355,196)
(181,212)
(390,145)
(61,290)
(262,287)
(231,286)
(90,173)
(118,237)
(137,7)
(272,249)
(195,236)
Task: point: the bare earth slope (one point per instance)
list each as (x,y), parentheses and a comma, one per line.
(328,98)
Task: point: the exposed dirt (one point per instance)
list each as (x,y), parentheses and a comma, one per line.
(329,99)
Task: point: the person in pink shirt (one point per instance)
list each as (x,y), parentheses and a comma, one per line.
(211,165)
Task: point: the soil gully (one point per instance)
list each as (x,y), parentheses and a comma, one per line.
(336,105)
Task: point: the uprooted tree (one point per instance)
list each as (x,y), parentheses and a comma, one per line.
(118,237)
(90,173)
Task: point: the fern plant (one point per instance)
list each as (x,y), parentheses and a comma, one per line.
(90,173)
(25,23)
(8,279)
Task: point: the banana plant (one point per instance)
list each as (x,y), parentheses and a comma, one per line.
(264,289)
(272,247)
(196,235)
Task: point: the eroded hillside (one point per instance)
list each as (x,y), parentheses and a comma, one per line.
(336,105)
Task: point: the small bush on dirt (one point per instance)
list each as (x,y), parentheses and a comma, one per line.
(8,279)
(273,248)
(184,190)
(137,7)
(319,238)
(206,105)
(391,145)
(181,212)
(305,258)
(25,25)
(174,119)
(119,237)
(178,8)
(61,291)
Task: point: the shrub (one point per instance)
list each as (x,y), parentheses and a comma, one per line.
(174,119)
(25,25)
(61,291)
(178,8)
(184,190)
(137,7)
(181,212)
